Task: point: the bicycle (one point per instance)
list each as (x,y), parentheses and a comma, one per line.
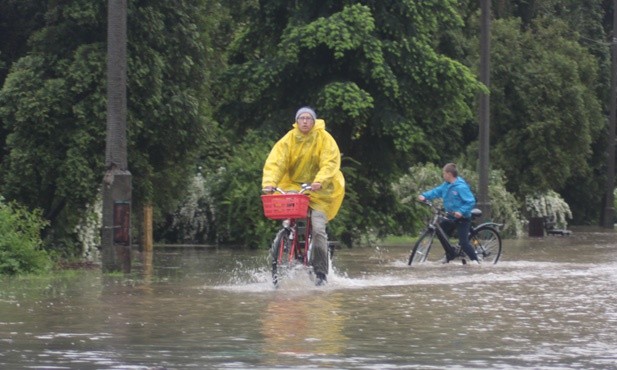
(292,245)
(484,238)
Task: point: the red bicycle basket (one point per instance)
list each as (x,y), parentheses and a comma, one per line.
(282,206)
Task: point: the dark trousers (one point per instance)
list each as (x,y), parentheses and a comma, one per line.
(462,226)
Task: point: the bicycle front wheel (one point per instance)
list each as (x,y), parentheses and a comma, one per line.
(487,243)
(279,254)
(420,250)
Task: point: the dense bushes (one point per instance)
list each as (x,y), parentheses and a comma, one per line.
(20,242)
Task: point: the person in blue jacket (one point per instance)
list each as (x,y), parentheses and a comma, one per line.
(458,201)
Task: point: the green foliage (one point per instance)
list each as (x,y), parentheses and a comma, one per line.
(418,179)
(372,70)
(382,86)
(18,19)
(236,190)
(350,99)
(369,212)
(167,72)
(505,207)
(53,106)
(394,79)
(231,194)
(20,241)
(545,112)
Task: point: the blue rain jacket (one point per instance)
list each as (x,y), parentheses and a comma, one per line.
(457,196)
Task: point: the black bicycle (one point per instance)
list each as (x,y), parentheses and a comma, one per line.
(484,238)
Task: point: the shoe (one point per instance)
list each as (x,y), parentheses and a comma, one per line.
(446,259)
(320,279)
(457,250)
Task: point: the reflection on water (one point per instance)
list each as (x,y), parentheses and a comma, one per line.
(303,325)
(549,304)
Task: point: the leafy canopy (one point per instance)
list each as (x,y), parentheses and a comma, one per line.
(53,107)
(545,112)
(372,70)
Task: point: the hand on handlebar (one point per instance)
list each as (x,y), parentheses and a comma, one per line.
(305,187)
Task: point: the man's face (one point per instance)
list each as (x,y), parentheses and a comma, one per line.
(305,123)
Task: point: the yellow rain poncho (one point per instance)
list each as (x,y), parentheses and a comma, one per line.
(300,158)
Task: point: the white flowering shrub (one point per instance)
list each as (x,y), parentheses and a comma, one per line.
(88,229)
(193,218)
(548,205)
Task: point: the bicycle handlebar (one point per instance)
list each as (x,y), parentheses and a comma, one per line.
(440,211)
(305,187)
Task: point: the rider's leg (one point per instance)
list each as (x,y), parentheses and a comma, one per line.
(447,226)
(462,226)
(319,258)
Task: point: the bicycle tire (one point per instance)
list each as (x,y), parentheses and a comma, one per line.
(279,251)
(422,247)
(487,243)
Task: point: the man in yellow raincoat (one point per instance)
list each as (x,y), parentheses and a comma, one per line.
(308,154)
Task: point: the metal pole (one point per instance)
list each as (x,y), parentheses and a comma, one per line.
(608,215)
(483,163)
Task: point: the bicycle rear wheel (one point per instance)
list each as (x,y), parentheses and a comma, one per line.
(279,254)
(420,250)
(487,243)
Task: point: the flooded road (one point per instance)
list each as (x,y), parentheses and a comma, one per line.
(550,303)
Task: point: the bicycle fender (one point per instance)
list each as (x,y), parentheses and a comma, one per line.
(492,224)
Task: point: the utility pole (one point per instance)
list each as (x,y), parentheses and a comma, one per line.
(608,214)
(117,187)
(483,163)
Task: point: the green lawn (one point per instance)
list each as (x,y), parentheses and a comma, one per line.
(399,240)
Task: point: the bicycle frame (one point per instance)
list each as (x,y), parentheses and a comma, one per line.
(484,238)
(298,250)
(440,233)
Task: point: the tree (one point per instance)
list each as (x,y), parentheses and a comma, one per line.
(53,106)
(373,71)
(545,111)
(18,20)
(588,24)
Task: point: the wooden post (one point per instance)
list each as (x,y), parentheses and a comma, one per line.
(147,239)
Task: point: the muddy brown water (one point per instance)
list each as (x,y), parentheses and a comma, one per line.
(550,303)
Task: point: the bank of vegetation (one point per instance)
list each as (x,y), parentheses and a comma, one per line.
(212,84)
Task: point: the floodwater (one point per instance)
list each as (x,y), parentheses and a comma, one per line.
(550,303)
